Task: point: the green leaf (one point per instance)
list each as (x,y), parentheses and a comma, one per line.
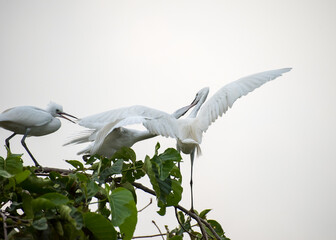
(164,168)
(42,203)
(166,161)
(217,227)
(27,205)
(130,188)
(114,169)
(91,160)
(92,189)
(56,198)
(169,190)
(100,227)
(59,228)
(125,153)
(157,147)
(72,233)
(204,213)
(175,196)
(5,174)
(34,184)
(176,238)
(21,176)
(40,224)
(12,164)
(72,215)
(124,212)
(76,164)
(120,199)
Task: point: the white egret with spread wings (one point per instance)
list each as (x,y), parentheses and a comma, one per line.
(188,132)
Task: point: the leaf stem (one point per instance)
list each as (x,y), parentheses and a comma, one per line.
(158,229)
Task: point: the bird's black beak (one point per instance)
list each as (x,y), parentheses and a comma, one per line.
(63,114)
(194,102)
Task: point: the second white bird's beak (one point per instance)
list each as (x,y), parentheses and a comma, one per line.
(186,108)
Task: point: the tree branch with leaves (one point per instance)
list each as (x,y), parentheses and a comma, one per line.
(53,203)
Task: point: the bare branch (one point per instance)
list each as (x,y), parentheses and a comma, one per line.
(4,218)
(46,170)
(149,236)
(191,214)
(150,202)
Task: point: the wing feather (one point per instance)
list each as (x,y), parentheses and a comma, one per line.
(27,116)
(166,126)
(108,128)
(98,121)
(224,98)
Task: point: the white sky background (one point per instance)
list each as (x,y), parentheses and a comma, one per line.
(268,166)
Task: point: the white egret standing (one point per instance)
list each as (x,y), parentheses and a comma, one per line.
(107,134)
(32,121)
(188,132)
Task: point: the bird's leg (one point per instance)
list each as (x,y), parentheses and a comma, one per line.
(192,155)
(9,138)
(25,146)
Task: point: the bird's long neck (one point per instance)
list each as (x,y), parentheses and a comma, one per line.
(180,112)
(194,112)
(143,135)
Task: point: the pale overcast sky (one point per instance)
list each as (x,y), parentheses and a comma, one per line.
(268,166)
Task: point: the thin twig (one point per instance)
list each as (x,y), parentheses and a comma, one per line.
(150,202)
(158,229)
(4,225)
(149,236)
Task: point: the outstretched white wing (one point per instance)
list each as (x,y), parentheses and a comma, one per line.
(106,122)
(224,98)
(212,109)
(100,120)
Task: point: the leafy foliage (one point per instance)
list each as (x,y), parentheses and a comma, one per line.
(56,204)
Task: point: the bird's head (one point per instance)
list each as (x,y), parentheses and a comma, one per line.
(56,110)
(201,96)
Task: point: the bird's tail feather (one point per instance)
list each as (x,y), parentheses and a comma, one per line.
(81,137)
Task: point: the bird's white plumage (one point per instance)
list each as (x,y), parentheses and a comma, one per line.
(32,121)
(188,132)
(18,119)
(108,132)
(219,103)
(26,115)
(101,119)
(224,98)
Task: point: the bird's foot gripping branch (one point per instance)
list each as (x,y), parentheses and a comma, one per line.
(52,203)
